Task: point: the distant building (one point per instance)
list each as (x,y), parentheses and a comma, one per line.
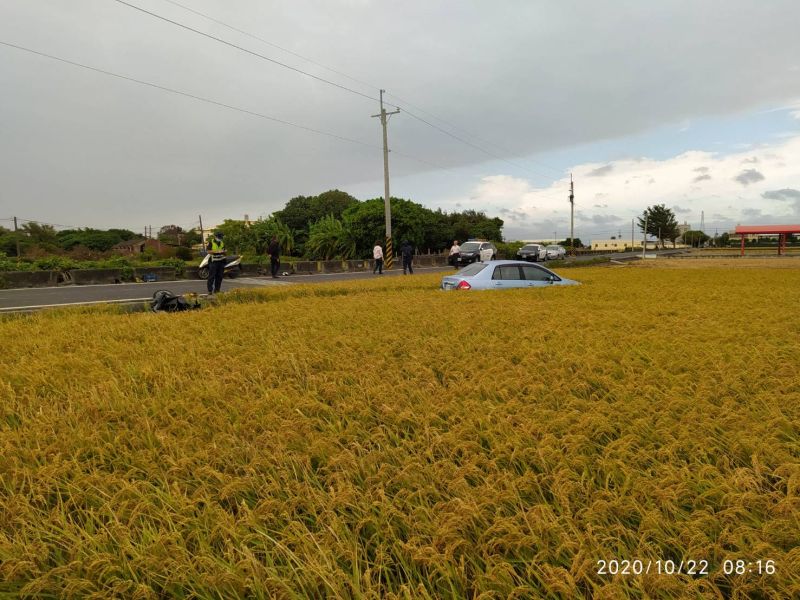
(613,245)
(137,246)
(207,232)
(683,228)
(620,245)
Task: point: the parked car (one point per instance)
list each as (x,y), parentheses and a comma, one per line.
(475,251)
(556,252)
(532,252)
(502,274)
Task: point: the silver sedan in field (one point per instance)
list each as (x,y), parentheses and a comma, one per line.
(503,275)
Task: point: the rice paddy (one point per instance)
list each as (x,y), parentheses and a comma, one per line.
(383,439)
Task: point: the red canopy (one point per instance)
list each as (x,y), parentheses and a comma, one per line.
(767,229)
(781,230)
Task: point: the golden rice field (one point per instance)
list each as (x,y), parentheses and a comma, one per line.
(382,439)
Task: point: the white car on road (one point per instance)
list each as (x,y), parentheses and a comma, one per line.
(556,252)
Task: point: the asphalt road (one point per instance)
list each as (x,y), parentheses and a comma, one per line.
(22,299)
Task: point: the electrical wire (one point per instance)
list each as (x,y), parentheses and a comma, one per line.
(321,79)
(243,49)
(222,105)
(189,95)
(54,225)
(268,43)
(474,135)
(355,80)
(468,143)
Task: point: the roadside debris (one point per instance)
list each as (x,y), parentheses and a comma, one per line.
(166,301)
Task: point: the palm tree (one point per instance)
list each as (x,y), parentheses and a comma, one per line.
(329,239)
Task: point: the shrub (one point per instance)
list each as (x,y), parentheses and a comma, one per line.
(508,249)
(180,266)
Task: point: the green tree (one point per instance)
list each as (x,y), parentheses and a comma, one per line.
(264,229)
(192,237)
(695,238)
(172,234)
(43,236)
(303,211)
(661,223)
(238,236)
(566,244)
(330,239)
(9,240)
(474,224)
(98,240)
(366,223)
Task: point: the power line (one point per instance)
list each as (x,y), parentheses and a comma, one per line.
(218,104)
(322,79)
(62,226)
(189,95)
(346,76)
(468,143)
(474,135)
(243,49)
(268,43)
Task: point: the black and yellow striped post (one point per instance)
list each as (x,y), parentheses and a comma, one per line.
(387,259)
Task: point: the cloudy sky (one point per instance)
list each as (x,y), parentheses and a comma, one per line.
(693,104)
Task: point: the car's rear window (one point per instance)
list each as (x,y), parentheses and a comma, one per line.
(472,269)
(529,247)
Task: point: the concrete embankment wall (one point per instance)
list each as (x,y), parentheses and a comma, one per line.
(23,279)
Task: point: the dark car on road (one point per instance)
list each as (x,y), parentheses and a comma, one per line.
(474,251)
(532,252)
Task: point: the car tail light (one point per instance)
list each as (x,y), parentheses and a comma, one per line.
(463,285)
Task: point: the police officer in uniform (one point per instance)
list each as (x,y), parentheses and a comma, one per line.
(216,264)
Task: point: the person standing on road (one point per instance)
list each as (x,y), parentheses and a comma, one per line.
(377,254)
(274,251)
(216,264)
(407,251)
(455,253)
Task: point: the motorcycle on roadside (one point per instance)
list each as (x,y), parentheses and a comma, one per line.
(233,266)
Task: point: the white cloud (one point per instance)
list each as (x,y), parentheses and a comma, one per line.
(730,196)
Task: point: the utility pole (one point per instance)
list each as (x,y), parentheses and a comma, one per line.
(702,226)
(631,234)
(16,236)
(644,236)
(387,204)
(202,236)
(571,217)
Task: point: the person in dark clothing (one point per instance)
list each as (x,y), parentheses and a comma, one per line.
(407,252)
(216,264)
(274,251)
